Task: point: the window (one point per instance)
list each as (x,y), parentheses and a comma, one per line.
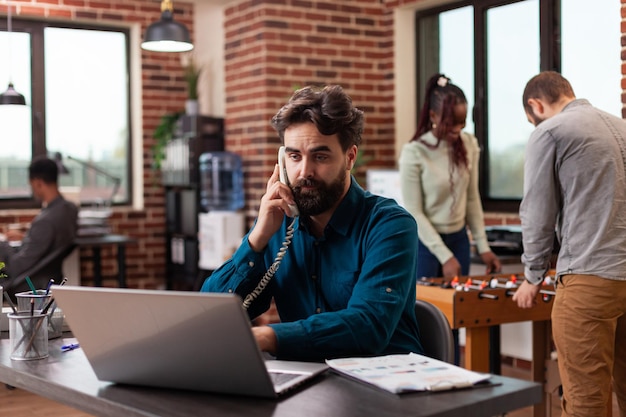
(75,81)
(491,48)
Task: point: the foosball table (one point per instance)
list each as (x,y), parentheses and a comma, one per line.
(478,303)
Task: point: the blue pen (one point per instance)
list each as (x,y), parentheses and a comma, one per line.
(71,346)
(49,285)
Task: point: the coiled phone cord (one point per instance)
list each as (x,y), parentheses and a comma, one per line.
(272,269)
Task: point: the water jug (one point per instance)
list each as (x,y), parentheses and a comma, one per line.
(221,181)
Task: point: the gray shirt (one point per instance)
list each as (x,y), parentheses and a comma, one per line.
(575,180)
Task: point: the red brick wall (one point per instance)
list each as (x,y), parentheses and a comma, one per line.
(273,47)
(163,92)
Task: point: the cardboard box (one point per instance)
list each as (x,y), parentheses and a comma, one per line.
(219,236)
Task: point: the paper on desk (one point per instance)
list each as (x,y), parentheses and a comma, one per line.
(406,373)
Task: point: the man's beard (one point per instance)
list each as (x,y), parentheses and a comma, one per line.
(322,198)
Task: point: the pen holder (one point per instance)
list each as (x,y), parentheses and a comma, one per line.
(55,315)
(28,335)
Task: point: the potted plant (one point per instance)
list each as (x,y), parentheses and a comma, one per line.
(191,74)
(163,133)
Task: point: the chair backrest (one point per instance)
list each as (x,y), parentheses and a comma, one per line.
(57,255)
(435,332)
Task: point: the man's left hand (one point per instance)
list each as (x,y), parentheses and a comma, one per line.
(265,338)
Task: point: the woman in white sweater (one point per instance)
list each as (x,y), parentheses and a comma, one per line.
(439,180)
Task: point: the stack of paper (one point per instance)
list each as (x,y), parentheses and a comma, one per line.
(406,373)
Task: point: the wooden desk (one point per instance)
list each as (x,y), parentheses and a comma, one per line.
(96,243)
(477,311)
(69,379)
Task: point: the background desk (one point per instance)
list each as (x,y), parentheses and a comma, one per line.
(69,379)
(96,243)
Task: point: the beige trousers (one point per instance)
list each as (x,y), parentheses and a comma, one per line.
(589,330)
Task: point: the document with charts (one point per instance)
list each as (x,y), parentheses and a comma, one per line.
(407,373)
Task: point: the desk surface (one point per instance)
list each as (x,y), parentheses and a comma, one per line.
(104,240)
(68,378)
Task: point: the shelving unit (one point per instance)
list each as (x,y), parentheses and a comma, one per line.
(194,136)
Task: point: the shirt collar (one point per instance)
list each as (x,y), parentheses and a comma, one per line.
(56,200)
(576,103)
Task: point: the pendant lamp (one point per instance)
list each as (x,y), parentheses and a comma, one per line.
(166,35)
(11,96)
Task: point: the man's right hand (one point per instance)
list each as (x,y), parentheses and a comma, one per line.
(274,204)
(14,235)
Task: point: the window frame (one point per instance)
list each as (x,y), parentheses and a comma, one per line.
(36,30)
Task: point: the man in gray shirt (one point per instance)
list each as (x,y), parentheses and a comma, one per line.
(54,227)
(575,180)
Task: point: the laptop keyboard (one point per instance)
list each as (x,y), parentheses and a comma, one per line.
(279,378)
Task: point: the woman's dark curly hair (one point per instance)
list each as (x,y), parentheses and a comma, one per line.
(329,108)
(441,97)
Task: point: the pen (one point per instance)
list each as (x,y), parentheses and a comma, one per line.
(49,285)
(71,346)
(8,298)
(30,285)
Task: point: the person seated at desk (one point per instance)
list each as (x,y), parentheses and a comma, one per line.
(346,284)
(55,226)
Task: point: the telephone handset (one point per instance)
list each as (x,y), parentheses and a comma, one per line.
(283,249)
(284,179)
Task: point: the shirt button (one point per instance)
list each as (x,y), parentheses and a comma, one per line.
(230,291)
(318,310)
(313,277)
(251,264)
(387,290)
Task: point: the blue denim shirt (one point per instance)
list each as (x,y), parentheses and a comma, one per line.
(349,293)
(575,180)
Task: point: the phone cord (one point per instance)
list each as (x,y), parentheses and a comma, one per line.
(272,269)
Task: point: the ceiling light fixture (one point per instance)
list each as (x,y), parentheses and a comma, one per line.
(11,96)
(166,35)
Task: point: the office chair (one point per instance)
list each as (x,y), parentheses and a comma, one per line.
(435,332)
(57,255)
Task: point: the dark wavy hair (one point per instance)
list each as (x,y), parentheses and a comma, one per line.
(329,108)
(442,99)
(44,169)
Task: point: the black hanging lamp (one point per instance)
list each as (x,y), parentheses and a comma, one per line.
(166,35)
(11,96)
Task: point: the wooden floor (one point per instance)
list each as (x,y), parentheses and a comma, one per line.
(21,403)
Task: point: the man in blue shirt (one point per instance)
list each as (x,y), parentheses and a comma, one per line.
(346,284)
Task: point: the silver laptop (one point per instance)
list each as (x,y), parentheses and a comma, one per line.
(175,339)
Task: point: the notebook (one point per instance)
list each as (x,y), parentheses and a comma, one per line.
(175,339)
